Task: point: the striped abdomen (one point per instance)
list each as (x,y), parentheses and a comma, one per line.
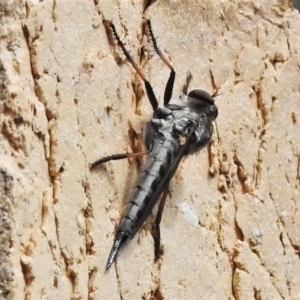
(161,157)
(141,200)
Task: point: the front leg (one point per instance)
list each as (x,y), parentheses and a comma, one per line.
(171,80)
(148,87)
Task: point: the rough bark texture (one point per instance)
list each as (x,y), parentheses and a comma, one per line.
(230,228)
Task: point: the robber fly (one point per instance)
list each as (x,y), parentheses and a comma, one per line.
(174,131)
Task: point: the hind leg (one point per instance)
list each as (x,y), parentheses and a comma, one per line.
(156,228)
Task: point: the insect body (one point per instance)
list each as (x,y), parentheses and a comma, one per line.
(174,131)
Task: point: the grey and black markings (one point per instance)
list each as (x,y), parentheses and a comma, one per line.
(174,131)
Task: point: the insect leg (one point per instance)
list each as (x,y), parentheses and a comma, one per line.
(116,157)
(148,87)
(156,228)
(189,77)
(170,83)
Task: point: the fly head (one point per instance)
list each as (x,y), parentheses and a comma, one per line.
(202,102)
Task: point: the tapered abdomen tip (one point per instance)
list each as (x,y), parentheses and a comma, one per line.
(119,241)
(108,264)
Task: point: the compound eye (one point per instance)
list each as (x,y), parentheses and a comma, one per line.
(213,112)
(201,96)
